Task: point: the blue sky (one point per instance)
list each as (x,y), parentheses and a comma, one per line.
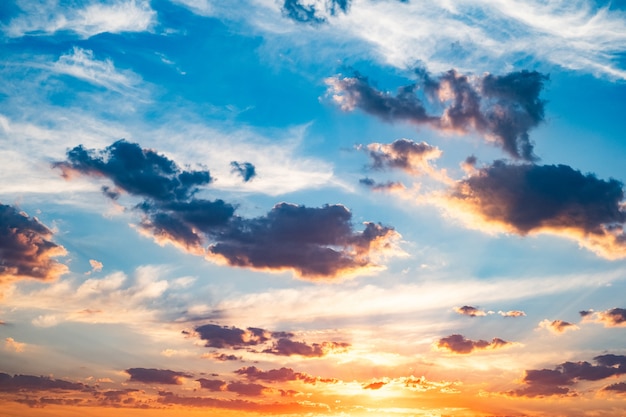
(385,207)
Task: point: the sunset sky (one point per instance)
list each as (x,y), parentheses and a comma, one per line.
(342,208)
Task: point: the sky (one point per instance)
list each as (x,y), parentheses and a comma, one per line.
(342,208)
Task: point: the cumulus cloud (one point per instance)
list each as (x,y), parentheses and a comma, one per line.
(281,343)
(457,343)
(156,376)
(246,170)
(411,157)
(617,387)
(311,242)
(558,381)
(114,16)
(26,248)
(557,326)
(470,311)
(314,242)
(554,199)
(503,108)
(232,337)
(613,317)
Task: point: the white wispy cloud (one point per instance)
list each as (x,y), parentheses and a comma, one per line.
(92,18)
(81,63)
(471,35)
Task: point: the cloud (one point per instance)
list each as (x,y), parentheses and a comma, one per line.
(547,382)
(614,317)
(470,311)
(134,170)
(81,63)
(617,387)
(245,169)
(156,376)
(375,385)
(169,398)
(554,199)
(26,248)
(311,242)
(503,108)
(232,337)
(96,266)
(18,383)
(457,343)
(387,186)
(13,345)
(222,337)
(241,388)
(280,375)
(411,157)
(313,11)
(288,347)
(512,313)
(557,326)
(50,17)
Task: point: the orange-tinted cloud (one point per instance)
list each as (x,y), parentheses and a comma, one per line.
(557,326)
(281,343)
(26,248)
(559,381)
(457,343)
(614,317)
(470,311)
(156,376)
(529,198)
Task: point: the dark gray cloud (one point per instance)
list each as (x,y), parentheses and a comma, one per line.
(241,388)
(156,376)
(280,375)
(281,342)
(311,242)
(288,347)
(470,311)
(29,383)
(385,186)
(232,337)
(26,248)
(558,381)
(314,242)
(407,155)
(245,169)
(136,171)
(545,198)
(617,387)
(457,343)
(503,108)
